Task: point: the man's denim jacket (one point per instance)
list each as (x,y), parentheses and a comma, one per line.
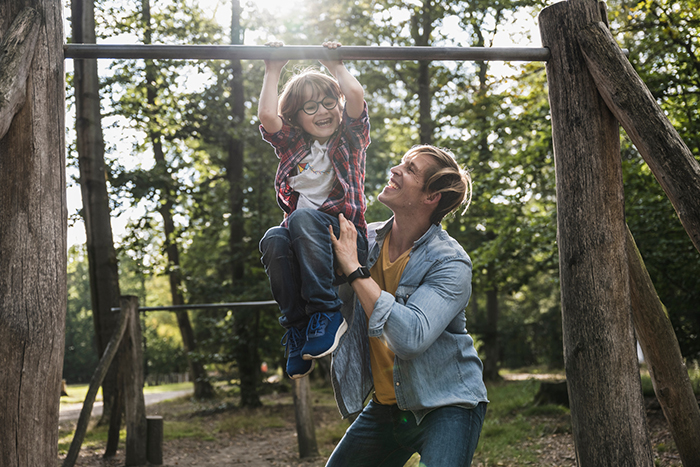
(424,325)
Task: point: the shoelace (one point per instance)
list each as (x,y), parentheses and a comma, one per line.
(291,338)
(317,323)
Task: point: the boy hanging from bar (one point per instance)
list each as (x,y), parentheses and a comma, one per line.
(319,128)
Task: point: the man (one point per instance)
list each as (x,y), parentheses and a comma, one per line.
(407,338)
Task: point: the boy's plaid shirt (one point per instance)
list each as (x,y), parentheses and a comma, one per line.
(347,149)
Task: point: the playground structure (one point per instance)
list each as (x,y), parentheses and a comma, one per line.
(606,293)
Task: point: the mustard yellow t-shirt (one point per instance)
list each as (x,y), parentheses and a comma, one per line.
(387,275)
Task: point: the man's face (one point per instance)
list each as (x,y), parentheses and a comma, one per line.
(405,189)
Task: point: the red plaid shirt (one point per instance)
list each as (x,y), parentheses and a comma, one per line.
(347,149)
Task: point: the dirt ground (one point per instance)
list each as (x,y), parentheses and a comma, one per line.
(278,446)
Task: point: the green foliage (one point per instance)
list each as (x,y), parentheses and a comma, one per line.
(163,352)
(662,39)
(80,358)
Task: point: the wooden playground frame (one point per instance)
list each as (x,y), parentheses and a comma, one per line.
(606,292)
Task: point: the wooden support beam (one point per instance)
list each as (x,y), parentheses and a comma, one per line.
(131,374)
(303,410)
(669,374)
(607,411)
(668,157)
(154,450)
(16,53)
(95,383)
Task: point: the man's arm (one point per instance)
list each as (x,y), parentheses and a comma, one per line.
(410,328)
(268,103)
(345,248)
(351,87)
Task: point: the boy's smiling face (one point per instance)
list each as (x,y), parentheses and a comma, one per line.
(324,122)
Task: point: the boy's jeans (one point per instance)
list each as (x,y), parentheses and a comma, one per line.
(385,436)
(301,266)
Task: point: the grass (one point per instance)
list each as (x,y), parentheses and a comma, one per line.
(77,392)
(693,374)
(514,431)
(513,425)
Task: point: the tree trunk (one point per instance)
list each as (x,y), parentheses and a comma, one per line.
(33,227)
(102,258)
(607,412)
(202,387)
(245,322)
(422,30)
(492,349)
(668,157)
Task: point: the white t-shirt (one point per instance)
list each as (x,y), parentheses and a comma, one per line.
(315,177)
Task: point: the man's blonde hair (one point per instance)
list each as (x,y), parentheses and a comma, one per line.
(446,177)
(294,93)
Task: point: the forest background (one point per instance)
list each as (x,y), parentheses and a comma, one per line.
(186,166)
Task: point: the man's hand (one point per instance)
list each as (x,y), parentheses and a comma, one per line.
(345,246)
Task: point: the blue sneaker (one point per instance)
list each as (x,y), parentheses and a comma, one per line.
(297,367)
(323,334)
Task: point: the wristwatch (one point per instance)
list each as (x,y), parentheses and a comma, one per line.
(361,272)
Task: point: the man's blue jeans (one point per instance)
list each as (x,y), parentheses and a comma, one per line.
(385,436)
(301,266)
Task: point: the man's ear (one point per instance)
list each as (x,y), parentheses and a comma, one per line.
(433,198)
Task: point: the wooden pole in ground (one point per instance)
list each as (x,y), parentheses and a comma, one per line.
(607,411)
(668,157)
(154,450)
(95,382)
(669,374)
(131,374)
(303,410)
(33,228)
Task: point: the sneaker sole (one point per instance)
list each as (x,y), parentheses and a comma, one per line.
(338,334)
(301,375)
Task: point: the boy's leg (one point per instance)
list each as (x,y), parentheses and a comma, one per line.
(312,245)
(283,271)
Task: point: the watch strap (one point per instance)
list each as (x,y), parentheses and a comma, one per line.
(361,272)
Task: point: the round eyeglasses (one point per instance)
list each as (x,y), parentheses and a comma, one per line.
(311,107)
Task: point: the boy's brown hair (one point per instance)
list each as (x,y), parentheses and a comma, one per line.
(294,93)
(446,177)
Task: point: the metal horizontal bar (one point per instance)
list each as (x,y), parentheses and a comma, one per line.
(261,304)
(300,52)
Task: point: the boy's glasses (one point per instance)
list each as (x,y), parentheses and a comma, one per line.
(311,107)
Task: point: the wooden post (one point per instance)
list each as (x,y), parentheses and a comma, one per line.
(95,382)
(17,51)
(131,373)
(669,374)
(669,159)
(33,230)
(303,410)
(609,423)
(154,449)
